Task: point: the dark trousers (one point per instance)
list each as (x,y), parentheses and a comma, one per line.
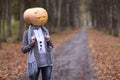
(46,73)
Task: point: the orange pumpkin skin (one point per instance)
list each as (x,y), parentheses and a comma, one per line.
(35,16)
(26,16)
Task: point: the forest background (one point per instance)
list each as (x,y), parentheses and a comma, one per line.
(63,14)
(101,16)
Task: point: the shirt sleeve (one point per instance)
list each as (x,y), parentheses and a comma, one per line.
(25,45)
(49,43)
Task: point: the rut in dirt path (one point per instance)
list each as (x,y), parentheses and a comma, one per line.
(72,60)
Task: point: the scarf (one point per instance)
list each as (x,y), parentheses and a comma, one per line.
(31,62)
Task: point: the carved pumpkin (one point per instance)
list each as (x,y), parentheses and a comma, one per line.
(35,16)
(27,15)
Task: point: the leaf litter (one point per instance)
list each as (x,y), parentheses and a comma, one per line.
(105,52)
(13,61)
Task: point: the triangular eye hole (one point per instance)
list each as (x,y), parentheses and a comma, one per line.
(39,17)
(44,16)
(35,12)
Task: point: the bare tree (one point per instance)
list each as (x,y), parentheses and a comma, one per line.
(105,16)
(3,35)
(21,27)
(8,17)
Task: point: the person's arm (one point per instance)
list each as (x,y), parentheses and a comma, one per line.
(47,37)
(49,43)
(25,45)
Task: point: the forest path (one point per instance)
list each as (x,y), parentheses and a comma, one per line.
(72,59)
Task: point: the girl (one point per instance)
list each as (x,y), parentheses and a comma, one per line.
(37,42)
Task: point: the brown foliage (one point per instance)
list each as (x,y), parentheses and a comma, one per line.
(105,51)
(13,61)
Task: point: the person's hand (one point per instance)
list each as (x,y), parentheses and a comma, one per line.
(47,38)
(33,38)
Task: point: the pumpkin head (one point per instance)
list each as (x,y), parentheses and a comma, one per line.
(35,16)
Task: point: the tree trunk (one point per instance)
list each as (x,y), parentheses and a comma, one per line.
(3,35)
(8,18)
(21,27)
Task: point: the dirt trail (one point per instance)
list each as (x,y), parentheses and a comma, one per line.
(72,60)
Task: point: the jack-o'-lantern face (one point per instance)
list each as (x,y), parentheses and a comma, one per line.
(36,16)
